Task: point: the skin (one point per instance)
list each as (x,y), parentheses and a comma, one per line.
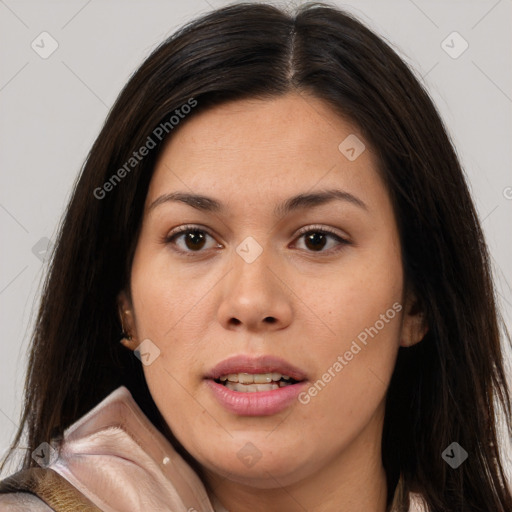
(251,155)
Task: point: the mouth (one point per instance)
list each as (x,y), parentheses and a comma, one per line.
(251,383)
(249,374)
(246,385)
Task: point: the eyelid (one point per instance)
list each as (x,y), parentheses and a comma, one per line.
(327,229)
(305,229)
(188,227)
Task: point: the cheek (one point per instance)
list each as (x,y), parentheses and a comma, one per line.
(165,299)
(357,341)
(161,303)
(352,374)
(359,293)
(171,311)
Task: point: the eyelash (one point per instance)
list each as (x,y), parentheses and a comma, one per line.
(169,239)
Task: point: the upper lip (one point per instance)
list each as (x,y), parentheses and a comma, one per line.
(250,364)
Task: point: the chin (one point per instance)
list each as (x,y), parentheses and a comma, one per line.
(267,472)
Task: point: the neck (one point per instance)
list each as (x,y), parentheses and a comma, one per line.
(352,481)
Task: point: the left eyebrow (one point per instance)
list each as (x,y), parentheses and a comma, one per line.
(311,200)
(300,201)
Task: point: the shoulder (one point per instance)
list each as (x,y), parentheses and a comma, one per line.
(22,502)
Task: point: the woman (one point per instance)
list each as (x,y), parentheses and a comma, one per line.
(275,219)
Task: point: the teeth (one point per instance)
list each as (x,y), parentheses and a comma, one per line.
(262,378)
(249,378)
(251,388)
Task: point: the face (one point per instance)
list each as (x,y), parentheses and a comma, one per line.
(318,286)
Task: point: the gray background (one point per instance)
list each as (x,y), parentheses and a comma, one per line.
(52,109)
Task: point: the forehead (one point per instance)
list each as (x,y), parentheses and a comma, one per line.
(256,148)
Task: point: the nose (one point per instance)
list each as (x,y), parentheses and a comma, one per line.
(255,296)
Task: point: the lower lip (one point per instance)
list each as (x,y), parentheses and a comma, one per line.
(257,403)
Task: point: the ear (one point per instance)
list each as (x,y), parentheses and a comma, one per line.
(414,324)
(126,318)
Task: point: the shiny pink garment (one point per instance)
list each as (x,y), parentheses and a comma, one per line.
(117,458)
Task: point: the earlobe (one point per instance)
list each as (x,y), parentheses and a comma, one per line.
(414,323)
(415,331)
(127,321)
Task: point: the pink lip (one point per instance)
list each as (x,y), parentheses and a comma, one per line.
(259,403)
(262,364)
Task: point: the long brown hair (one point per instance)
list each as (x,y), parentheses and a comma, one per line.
(446,388)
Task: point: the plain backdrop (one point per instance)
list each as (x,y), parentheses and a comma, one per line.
(52,108)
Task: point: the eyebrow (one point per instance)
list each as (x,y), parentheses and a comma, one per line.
(300,201)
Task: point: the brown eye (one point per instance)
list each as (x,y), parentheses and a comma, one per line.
(193,240)
(316,240)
